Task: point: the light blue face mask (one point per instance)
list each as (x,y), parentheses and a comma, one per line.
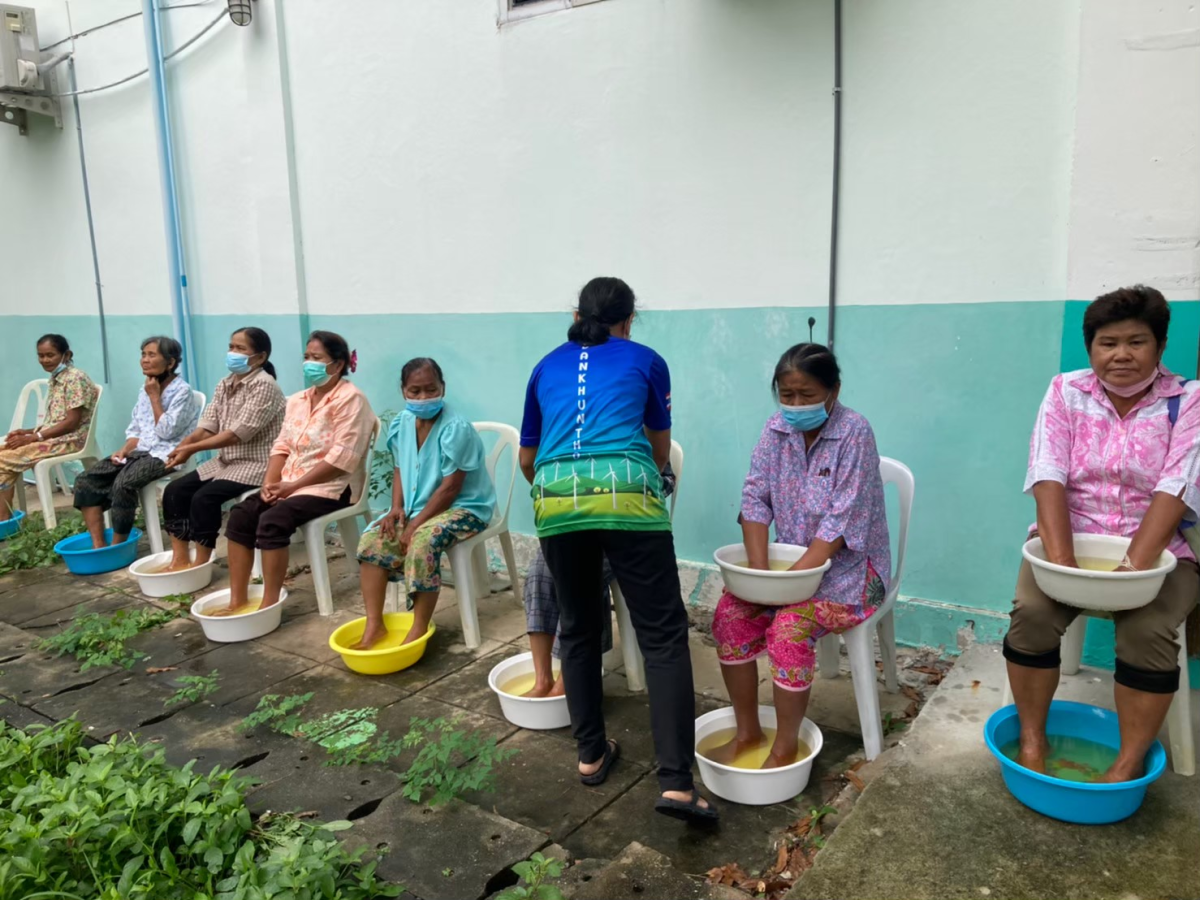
(315,373)
(425,409)
(60,367)
(805,418)
(237,363)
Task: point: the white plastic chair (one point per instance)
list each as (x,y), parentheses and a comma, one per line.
(44,470)
(635,665)
(313,533)
(153,491)
(858,639)
(1179,716)
(468,559)
(38,388)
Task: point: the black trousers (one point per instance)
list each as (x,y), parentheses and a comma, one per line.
(192,508)
(643,563)
(256,524)
(117,488)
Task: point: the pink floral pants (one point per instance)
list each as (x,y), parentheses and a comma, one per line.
(788,634)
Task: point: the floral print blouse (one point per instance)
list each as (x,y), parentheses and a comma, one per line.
(69,389)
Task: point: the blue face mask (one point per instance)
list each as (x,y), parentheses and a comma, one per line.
(62,365)
(237,363)
(425,409)
(805,418)
(315,374)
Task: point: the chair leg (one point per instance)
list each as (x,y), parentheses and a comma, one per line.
(465,588)
(1072,646)
(351,534)
(391,598)
(150,515)
(479,571)
(866,692)
(510,562)
(314,543)
(829,661)
(45,489)
(1179,720)
(887,651)
(256,567)
(1007,699)
(635,665)
(19,498)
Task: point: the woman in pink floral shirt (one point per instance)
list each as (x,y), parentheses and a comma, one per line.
(815,475)
(1106,458)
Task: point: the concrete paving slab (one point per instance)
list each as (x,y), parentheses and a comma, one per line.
(308,635)
(21,716)
(540,787)
(24,577)
(14,642)
(501,617)
(119,702)
(952,830)
(170,644)
(245,669)
(38,599)
(449,852)
(639,871)
(332,690)
(39,675)
(211,737)
(745,832)
(468,687)
(104,605)
(333,792)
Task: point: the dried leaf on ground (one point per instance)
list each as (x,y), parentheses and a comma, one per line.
(781,859)
(158,670)
(859,784)
(801,828)
(307,814)
(730,874)
(911,692)
(910,711)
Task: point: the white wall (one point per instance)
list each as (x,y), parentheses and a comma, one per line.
(1135,200)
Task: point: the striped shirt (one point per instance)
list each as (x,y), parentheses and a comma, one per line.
(252,408)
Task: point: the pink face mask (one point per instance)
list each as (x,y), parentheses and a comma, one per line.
(1131,390)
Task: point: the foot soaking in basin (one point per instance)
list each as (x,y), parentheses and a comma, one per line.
(738,780)
(510,680)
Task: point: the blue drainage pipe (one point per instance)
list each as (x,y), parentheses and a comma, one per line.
(180,313)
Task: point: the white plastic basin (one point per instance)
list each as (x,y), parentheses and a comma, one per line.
(538,713)
(756,787)
(1098,590)
(769,588)
(246,627)
(164,584)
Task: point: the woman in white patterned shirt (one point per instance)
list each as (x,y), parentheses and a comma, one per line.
(242,422)
(165,411)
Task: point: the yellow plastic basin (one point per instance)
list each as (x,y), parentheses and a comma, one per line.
(389,655)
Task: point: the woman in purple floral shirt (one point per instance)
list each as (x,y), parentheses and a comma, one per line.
(815,475)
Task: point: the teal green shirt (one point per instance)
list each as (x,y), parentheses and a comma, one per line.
(452,446)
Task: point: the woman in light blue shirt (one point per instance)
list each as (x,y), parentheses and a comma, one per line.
(164,414)
(441,494)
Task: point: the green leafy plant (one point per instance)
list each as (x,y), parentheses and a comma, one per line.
(436,766)
(344,728)
(277,713)
(33,546)
(533,874)
(376,751)
(117,822)
(194,688)
(99,640)
(382,464)
(892,724)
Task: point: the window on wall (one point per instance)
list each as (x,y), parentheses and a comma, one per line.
(513,10)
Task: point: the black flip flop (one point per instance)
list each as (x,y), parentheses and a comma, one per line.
(612,752)
(689,811)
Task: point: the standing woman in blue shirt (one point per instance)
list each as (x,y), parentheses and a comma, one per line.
(441,494)
(596,435)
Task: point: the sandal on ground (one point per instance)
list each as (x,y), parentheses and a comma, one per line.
(612,752)
(689,811)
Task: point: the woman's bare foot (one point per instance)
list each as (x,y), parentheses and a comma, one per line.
(1033,753)
(726,753)
(1122,771)
(372,635)
(226,611)
(414,633)
(178,567)
(539,689)
(778,759)
(559,689)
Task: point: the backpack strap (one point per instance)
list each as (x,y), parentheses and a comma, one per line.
(1173,404)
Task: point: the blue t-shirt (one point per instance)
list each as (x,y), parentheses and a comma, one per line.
(586,409)
(453,445)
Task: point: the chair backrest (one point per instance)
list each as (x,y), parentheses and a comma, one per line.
(194,460)
(91,447)
(507,439)
(38,387)
(202,400)
(895,472)
(677,468)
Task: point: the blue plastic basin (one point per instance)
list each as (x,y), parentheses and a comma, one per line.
(82,559)
(1071,801)
(9,527)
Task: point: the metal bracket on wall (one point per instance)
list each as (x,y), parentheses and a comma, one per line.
(15,107)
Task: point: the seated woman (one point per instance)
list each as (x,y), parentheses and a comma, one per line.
(165,411)
(441,494)
(541,615)
(1116,450)
(317,466)
(815,474)
(242,422)
(64,429)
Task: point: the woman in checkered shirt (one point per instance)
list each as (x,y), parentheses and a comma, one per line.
(241,423)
